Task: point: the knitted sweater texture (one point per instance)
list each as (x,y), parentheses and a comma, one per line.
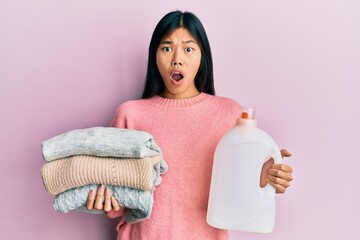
(187,131)
(79,170)
(100,141)
(138,203)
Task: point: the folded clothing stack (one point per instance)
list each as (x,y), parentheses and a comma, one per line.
(127,161)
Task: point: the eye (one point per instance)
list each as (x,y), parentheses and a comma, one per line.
(166,49)
(189,49)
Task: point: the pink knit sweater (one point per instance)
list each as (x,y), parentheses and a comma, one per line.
(187,131)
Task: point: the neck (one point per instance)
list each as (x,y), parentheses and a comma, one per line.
(167,94)
(180,102)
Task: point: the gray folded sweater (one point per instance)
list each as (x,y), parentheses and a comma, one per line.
(138,203)
(102,142)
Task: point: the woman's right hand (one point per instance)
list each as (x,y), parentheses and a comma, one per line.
(102,200)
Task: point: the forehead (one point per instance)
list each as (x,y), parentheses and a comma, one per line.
(179,34)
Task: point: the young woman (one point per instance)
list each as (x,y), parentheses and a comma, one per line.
(180,109)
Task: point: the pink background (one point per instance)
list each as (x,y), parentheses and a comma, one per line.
(69,64)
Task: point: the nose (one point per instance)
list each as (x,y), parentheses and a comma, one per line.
(177,59)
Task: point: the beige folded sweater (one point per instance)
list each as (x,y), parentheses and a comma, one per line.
(79,170)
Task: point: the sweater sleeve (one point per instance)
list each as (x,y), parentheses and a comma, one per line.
(119,119)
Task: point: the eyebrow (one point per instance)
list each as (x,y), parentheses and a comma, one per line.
(170,42)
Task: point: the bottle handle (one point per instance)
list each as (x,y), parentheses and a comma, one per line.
(268,192)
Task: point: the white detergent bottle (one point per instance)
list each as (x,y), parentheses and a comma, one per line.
(236,201)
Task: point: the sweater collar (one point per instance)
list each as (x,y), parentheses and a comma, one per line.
(180,103)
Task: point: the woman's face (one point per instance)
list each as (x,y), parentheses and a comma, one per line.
(178,59)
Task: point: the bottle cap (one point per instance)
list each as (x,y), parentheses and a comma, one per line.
(247,117)
(248,113)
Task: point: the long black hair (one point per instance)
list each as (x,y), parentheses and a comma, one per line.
(204,79)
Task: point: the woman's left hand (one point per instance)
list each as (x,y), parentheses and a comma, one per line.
(278,175)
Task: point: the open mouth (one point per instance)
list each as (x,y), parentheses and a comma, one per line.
(177,76)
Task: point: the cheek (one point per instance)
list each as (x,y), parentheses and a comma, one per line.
(197,63)
(162,60)
(159,64)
